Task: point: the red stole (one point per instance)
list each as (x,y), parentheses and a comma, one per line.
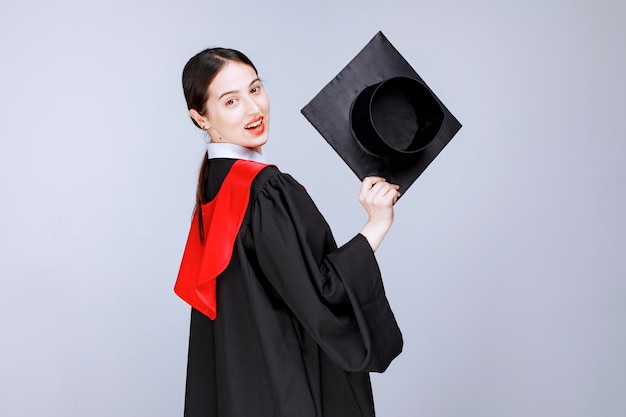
(222,218)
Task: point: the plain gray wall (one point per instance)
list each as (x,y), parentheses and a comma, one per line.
(506,263)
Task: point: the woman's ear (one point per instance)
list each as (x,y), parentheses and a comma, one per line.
(202,121)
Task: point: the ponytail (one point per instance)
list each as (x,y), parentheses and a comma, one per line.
(201,196)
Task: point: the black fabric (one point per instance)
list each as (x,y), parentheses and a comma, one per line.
(300,322)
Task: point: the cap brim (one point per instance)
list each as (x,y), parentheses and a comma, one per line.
(329,113)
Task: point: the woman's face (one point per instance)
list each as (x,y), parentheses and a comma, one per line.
(238,109)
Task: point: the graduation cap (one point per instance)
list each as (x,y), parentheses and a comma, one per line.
(381,117)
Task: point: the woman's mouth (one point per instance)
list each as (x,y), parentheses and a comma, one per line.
(256,126)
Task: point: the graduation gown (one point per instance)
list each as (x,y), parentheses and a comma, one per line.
(300,322)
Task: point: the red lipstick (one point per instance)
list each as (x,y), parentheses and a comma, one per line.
(256,126)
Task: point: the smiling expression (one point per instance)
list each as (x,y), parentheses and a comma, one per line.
(237,108)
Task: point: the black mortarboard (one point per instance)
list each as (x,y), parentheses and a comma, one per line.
(381,117)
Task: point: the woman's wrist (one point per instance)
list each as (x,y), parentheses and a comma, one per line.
(375,231)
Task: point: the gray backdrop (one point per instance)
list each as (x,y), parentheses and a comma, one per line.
(505,265)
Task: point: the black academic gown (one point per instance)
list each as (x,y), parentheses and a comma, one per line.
(300,322)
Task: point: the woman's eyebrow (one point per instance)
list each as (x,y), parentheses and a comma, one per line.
(234,91)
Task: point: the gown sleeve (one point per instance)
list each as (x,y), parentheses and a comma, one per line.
(336,294)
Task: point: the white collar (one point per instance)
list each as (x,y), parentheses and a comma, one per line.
(232,151)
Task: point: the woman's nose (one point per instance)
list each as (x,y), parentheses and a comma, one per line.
(253,107)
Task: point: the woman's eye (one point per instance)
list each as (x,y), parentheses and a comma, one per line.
(230,101)
(255,89)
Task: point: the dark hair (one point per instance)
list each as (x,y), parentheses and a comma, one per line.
(198,74)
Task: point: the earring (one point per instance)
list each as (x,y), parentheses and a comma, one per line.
(206,138)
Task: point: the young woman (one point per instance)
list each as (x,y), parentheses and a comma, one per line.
(283,322)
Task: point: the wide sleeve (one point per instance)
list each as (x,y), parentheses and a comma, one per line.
(335,293)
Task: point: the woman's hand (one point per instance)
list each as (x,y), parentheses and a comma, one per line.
(377,197)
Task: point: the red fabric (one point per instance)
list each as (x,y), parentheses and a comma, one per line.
(222,218)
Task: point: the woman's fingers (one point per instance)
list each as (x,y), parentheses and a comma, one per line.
(369,182)
(376,190)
